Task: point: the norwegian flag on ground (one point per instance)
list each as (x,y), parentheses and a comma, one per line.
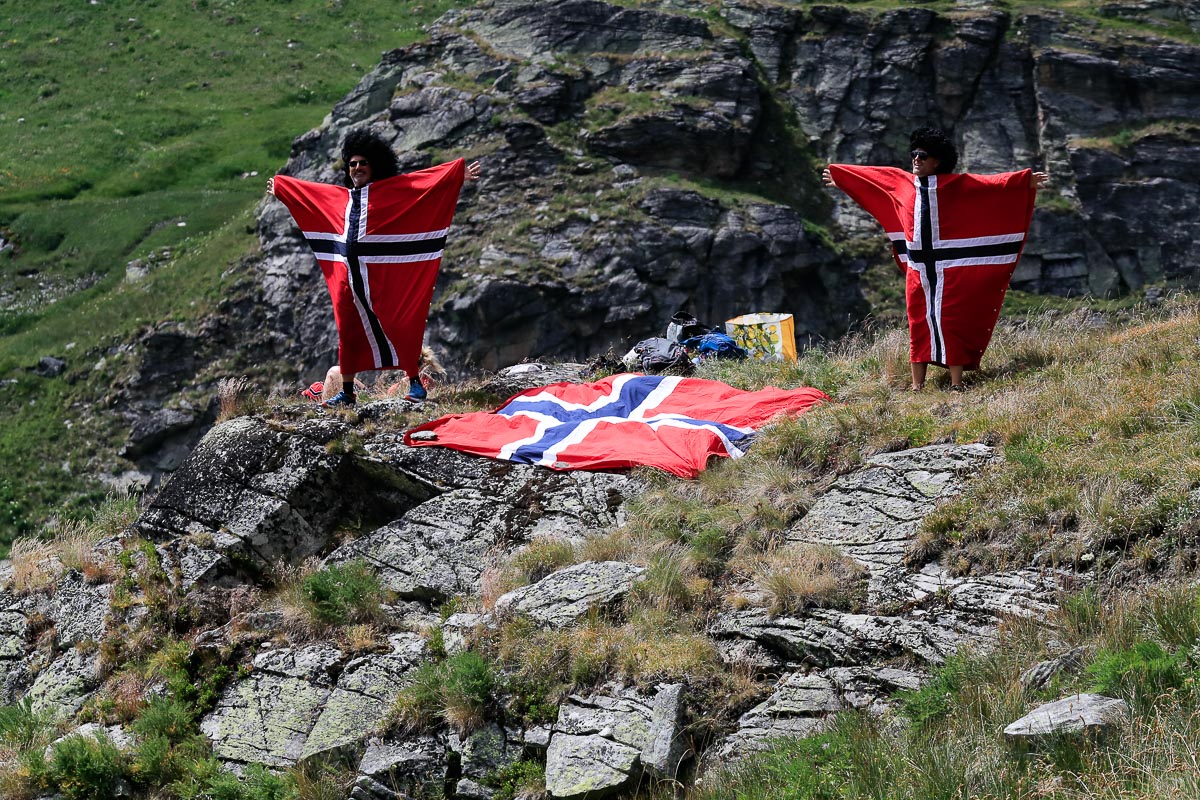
(958,239)
(379,248)
(671,423)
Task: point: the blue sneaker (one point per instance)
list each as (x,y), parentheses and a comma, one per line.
(340,400)
(416,392)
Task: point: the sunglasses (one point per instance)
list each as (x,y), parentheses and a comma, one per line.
(920,155)
(354,164)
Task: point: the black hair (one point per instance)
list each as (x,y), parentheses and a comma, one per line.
(935,142)
(374,150)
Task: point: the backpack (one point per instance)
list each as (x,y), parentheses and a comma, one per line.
(659,355)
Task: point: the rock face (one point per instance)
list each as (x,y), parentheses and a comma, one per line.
(600,120)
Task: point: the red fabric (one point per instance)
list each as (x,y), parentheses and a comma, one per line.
(379,248)
(958,249)
(674,424)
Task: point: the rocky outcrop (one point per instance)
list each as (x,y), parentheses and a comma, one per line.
(300,703)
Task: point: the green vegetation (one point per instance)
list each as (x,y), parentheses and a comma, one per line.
(343,593)
(457,691)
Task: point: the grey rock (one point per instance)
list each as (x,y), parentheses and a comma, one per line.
(802,705)
(457,629)
(50,367)
(872,513)
(1040,674)
(568,594)
(80,611)
(833,638)
(482,753)
(91,730)
(62,688)
(394,770)
(587,766)
(261,494)
(1091,714)
(652,724)
(301,703)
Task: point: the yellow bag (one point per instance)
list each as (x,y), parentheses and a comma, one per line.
(765,336)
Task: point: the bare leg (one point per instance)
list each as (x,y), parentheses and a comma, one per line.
(955,375)
(333,382)
(918,375)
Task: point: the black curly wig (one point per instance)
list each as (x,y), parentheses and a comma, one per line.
(374,150)
(935,142)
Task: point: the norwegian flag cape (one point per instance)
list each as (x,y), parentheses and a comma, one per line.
(958,239)
(379,248)
(628,420)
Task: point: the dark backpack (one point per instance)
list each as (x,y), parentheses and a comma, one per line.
(660,355)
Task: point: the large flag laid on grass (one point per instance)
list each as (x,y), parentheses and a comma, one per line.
(958,238)
(671,423)
(379,248)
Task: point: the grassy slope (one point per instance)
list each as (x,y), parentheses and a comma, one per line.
(126,129)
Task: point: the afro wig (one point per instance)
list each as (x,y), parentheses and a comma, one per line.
(935,142)
(374,150)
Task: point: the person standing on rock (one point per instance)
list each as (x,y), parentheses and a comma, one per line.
(379,242)
(957,237)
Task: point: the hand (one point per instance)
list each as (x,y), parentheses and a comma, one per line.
(271,186)
(473,171)
(827,177)
(1040,179)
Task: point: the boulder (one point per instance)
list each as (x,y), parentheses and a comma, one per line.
(650,724)
(398,769)
(587,766)
(481,753)
(1090,714)
(1040,674)
(564,596)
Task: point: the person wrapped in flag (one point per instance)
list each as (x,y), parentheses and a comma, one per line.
(956,237)
(379,242)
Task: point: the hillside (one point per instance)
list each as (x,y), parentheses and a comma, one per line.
(857,608)
(136,140)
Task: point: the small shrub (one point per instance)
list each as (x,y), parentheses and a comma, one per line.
(87,768)
(233,396)
(22,728)
(165,717)
(541,557)
(419,704)
(343,593)
(34,566)
(519,779)
(467,689)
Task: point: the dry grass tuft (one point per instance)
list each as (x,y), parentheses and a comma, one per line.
(35,565)
(807,576)
(235,399)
